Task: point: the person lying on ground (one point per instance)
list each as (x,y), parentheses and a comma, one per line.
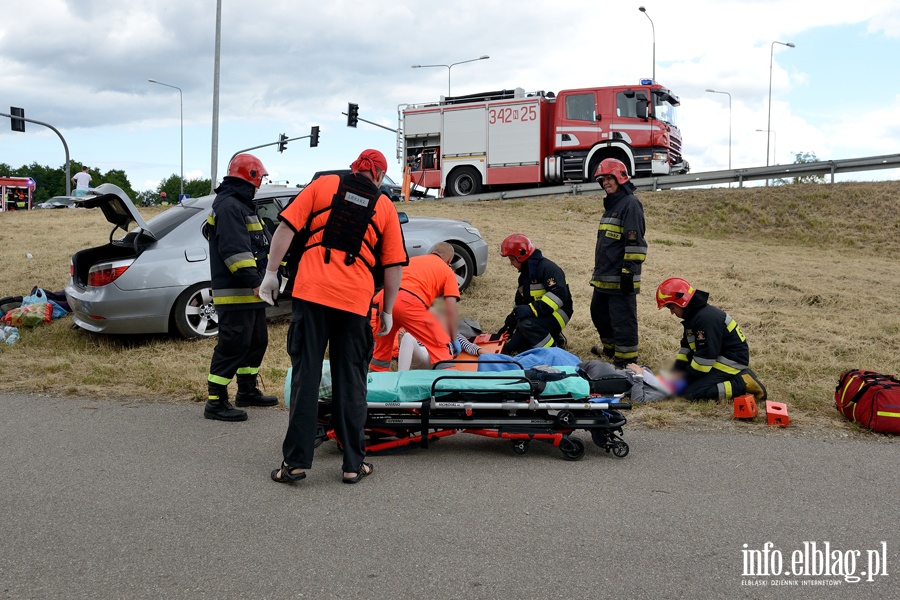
(646,386)
(714,355)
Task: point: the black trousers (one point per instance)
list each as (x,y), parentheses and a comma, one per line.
(716,385)
(242,343)
(536,332)
(350,342)
(615,317)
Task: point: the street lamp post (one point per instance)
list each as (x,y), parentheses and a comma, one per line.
(774,145)
(181,105)
(450,66)
(729,123)
(213,170)
(774,148)
(653,29)
(769,123)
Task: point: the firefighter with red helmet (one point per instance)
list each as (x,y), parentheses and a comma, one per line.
(714,356)
(543,302)
(620,251)
(238,249)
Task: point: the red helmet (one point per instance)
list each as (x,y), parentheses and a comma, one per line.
(162,194)
(612,166)
(674,290)
(247,167)
(517,245)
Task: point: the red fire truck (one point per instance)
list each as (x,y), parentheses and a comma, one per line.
(464,144)
(16,193)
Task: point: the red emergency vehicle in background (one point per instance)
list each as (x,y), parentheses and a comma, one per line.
(16,193)
(464,144)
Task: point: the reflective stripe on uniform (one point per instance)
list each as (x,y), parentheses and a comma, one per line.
(626,352)
(241,260)
(545,343)
(552,300)
(704,365)
(235,296)
(728,366)
(217,380)
(253,223)
(730,323)
(248,371)
(611,227)
(561,317)
(378,365)
(211,218)
(725,390)
(681,356)
(636,253)
(611,224)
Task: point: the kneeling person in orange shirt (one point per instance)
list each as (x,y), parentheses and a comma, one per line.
(425,279)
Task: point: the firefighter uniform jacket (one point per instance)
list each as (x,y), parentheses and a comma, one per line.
(620,242)
(712,341)
(543,287)
(238,247)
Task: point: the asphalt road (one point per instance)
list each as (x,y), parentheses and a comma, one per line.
(109,500)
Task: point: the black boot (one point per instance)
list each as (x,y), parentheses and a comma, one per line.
(561,341)
(219,408)
(249,395)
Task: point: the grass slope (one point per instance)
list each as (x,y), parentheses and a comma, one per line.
(808,271)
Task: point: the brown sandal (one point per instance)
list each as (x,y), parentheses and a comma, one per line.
(283,474)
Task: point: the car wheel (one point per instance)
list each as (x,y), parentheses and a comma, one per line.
(194,314)
(463,265)
(464,181)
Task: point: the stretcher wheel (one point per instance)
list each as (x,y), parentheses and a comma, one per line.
(520,446)
(620,449)
(565,418)
(572,448)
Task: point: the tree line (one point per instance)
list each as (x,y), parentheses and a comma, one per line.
(51,181)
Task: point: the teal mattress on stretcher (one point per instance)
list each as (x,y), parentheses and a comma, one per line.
(415,386)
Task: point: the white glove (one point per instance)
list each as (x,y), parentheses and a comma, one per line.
(268,289)
(387,322)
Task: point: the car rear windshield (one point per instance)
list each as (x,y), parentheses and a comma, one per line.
(163,224)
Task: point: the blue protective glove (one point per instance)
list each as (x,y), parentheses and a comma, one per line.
(523,311)
(455,348)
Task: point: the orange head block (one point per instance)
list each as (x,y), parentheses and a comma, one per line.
(745,407)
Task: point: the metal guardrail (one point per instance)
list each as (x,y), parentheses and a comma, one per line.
(739,176)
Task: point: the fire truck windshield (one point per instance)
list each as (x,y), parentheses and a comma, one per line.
(664,111)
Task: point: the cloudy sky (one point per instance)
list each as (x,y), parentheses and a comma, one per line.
(83,66)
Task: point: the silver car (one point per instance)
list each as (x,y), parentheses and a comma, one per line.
(155,278)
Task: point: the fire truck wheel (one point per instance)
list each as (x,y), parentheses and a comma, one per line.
(464,181)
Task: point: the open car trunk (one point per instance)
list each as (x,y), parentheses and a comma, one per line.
(120,212)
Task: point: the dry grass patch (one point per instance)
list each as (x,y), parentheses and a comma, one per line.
(808,272)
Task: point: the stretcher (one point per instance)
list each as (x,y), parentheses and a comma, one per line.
(415,408)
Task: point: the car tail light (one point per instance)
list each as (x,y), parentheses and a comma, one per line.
(71,269)
(105,273)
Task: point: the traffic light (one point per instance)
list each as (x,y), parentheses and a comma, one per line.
(282,144)
(314,136)
(14,123)
(352,114)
